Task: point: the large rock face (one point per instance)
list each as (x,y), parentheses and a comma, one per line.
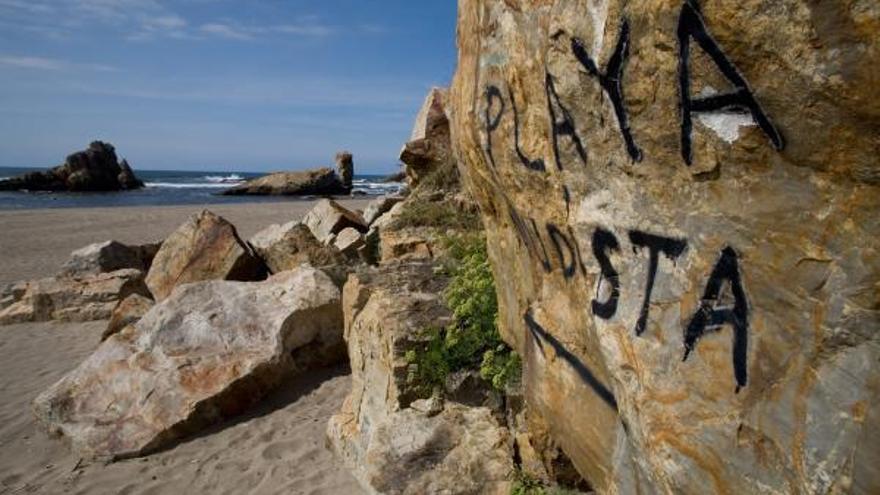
(328,218)
(682,212)
(317,182)
(207,352)
(391,443)
(206,247)
(95,169)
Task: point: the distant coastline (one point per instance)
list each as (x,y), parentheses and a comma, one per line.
(168,187)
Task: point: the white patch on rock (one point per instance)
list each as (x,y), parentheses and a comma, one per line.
(600,208)
(724,124)
(599,14)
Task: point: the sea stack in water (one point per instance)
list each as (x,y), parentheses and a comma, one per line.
(95,169)
(345,168)
(681,203)
(317,182)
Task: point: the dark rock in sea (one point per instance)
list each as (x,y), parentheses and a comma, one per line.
(345,168)
(316,182)
(93,170)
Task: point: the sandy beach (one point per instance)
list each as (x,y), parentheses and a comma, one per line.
(35,243)
(278,447)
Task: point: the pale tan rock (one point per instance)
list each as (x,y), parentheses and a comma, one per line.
(349,242)
(379,207)
(328,217)
(207,352)
(288,246)
(406,244)
(794,203)
(388,218)
(390,446)
(87,298)
(127,312)
(206,247)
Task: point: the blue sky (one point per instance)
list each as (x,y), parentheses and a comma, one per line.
(249,85)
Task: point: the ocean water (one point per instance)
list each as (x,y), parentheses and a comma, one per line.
(167,187)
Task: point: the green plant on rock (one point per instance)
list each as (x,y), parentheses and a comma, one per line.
(472,341)
(524,484)
(440,214)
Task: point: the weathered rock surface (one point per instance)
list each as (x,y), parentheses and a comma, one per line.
(95,169)
(288,246)
(379,207)
(11,293)
(390,442)
(407,244)
(206,247)
(682,214)
(429,147)
(110,256)
(129,311)
(328,218)
(349,242)
(87,298)
(317,182)
(207,352)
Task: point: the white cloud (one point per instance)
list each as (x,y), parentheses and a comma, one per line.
(160,26)
(240,32)
(26,6)
(225,31)
(147,20)
(317,30)
(41,63)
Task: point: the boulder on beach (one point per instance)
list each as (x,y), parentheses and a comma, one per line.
(288,246)
(93,170)
(349,242)
(109,256)
(328,218)
(206,247)
(209,351)
(315,182)
(83,298)
(379,207)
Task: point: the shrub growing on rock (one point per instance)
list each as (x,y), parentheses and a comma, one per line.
(473,340)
